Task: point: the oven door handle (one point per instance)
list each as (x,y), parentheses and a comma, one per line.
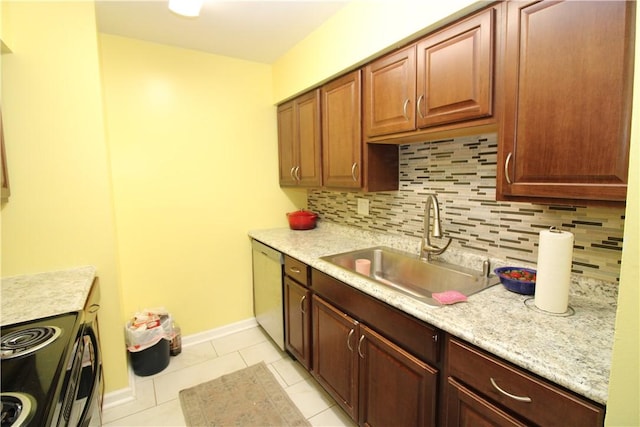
(96,368)
(93,308)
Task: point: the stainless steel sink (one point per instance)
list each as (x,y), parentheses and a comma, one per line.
(410,275)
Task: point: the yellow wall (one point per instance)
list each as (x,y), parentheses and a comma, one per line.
(194,160)
(5,27)
(60,213)
(5,42)
(363,28)
(624,385)
(358,32)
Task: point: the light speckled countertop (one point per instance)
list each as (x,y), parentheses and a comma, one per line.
(573,351)
(34,296)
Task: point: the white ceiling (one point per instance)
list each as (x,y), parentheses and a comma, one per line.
(259,31)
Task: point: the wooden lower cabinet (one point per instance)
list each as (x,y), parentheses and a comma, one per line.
(396,389)
(467,409)
(335,361)
(482,390)
(376,382)
(297,300)
(380,365)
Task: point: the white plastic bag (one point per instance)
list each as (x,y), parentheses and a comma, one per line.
(148,327)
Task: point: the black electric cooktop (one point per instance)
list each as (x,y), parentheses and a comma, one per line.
(35,356)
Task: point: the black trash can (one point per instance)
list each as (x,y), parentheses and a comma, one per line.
(150,360)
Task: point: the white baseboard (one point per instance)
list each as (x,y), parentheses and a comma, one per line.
(120,397)
(219,332)
(128,394)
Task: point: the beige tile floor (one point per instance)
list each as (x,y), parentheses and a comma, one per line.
(157,403)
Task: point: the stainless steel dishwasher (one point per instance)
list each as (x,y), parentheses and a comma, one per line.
(267,290)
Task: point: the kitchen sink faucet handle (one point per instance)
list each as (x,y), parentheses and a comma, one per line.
(426,246)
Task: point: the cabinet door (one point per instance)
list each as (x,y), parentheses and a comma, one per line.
(467,409)
(568,75)
(455,72)
(310,151)
(335,361)
(396,389)
(299,143)
(341,132)
(390,92)
(297,326)
(287,144)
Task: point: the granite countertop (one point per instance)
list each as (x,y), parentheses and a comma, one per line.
(573,351)
(34,296)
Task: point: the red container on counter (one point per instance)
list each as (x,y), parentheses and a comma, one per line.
(302,220)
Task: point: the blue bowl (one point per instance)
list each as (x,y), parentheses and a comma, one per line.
(524,287)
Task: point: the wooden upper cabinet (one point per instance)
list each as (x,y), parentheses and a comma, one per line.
(443,82)
(455,72)
(568,77)
(299,141)
(390,93)
(341,132)
(320,141)
(287,148)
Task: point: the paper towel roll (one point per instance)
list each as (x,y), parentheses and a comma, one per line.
(555,253)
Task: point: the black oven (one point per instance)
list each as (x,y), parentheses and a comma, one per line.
(52,370)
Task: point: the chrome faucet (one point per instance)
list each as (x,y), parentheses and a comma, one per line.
(426,248)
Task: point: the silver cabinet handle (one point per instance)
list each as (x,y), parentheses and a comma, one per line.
(359,347)
(404,108)
(512,396)
(506,168)
(298,173)
(354,168)
(292,173)
(418,107)
(294,269)
(435,337)
(349,340)
(304,297)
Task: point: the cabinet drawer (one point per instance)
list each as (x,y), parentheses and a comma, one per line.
(519,391)
(298,271)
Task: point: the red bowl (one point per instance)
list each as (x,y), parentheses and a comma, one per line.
(302,220)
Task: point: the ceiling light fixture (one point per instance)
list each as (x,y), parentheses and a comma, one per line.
(190,8)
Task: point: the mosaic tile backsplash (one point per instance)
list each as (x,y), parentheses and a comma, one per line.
(462,172)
